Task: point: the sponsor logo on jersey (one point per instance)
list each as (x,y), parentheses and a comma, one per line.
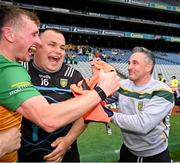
(44,76)
(18,87)
(63,82)
(140,105)
(21,84)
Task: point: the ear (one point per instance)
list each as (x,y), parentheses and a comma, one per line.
(8,34)
(149,67)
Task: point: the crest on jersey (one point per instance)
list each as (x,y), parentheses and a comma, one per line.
(63,82)
(140,105)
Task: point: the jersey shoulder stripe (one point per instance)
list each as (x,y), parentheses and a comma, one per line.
(69,72)
(148,95)
(25,65)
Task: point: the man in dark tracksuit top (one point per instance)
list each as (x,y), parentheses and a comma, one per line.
(54,85)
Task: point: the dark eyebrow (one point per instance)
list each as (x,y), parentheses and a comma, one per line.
(63,45)
(52,42)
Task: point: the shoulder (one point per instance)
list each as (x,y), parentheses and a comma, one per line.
(158,85)
(12,74)
(162,90)
(70,71)
(12,70)
(125,82)
(26,65)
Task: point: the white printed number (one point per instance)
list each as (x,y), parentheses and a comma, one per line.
(44,81)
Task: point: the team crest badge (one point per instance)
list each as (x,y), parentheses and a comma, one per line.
(140,105)
(63,82)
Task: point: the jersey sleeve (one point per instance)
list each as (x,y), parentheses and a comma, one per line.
(15,87)
(77,76)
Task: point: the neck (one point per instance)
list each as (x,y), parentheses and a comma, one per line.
(142,81)
(6,51)
(38,68)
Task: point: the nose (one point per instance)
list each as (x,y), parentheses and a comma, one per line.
(60,51)
(129,66)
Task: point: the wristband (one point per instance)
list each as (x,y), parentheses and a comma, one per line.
(100,92)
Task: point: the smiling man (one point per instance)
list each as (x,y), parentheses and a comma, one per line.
(53,79)
(49,56)
(18,97)
(144,106)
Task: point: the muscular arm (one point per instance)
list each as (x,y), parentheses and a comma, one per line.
(50,117)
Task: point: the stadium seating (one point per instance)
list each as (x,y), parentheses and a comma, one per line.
(168,64)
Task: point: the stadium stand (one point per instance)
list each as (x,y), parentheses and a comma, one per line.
(113,26)
(165,64)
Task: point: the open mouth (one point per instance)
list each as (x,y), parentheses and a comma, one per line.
(53,59)
(32,50)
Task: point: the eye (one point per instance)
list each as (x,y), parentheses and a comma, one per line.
(135,62)
(35,34)
(62,48)
(51,44)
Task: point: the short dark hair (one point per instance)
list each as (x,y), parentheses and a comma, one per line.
(147,52)
(11,15)
(41,31)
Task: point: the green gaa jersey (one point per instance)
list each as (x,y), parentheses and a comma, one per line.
(15,88)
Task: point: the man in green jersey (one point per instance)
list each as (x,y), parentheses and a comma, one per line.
(18,34)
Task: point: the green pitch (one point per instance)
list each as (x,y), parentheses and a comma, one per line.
(96,145)
(174,140)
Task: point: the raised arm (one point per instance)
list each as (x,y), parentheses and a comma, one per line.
(50,117)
